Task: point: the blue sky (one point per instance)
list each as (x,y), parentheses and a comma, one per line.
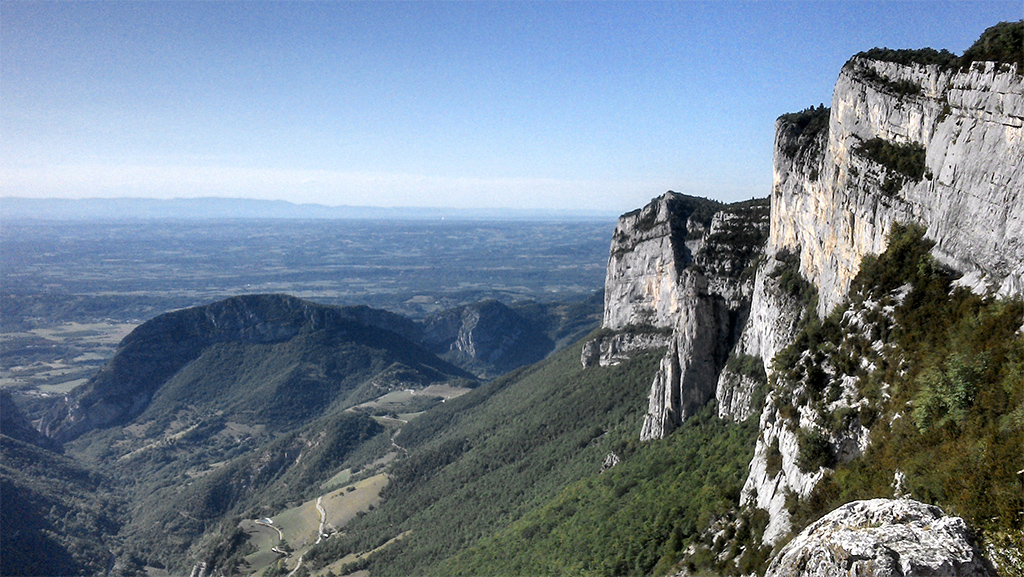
(578,105)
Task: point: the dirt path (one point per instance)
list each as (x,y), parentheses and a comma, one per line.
(280,535)
(323,518)
(396,445)
(297,565)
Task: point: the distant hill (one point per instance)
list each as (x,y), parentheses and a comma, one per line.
(273,358)
(241,405)
(230,208)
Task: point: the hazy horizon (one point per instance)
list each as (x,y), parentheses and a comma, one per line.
(210,207)
(482,105)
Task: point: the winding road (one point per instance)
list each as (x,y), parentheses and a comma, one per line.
(396,445)
(320,536)
(323,518)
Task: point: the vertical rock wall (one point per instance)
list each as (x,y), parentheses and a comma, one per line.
(833,202)
(685,265)
(837,209)
(832,205)
(650,249)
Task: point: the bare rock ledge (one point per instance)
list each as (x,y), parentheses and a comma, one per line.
(882,538)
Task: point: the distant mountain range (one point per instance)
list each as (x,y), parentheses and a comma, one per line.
(209,208)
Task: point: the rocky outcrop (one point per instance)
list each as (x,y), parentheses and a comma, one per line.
(736,394)
(792,409)
(882,538)
(650,249)
(775,473)
(834,201)
(486,338)
(685,265)
(688,376)
(775,309)
(617,347)
(835,198)
(772,323)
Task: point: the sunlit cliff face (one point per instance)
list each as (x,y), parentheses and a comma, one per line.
(838,205)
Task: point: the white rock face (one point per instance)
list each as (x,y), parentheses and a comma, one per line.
(767,489)
(774,316)
(616,348)
(649,251)
(735,395)
(663,410)
(832,207)
(882,538)
(829,207)
(684,264)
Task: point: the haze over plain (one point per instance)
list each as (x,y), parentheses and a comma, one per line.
(543,105)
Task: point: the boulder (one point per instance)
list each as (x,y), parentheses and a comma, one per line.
(883,538)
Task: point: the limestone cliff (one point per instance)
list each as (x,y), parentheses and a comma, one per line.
(930,144)
(650,249)
(838,190)
(684,265)
(905,143)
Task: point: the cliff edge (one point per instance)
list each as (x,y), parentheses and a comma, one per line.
(905,142)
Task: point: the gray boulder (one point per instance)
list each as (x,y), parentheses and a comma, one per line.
(882,538)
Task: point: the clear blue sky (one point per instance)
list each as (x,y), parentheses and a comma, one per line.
(595,105)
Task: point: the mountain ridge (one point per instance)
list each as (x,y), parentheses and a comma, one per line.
(159,350)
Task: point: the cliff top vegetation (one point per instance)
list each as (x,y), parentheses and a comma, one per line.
(1003,43)
(801,129)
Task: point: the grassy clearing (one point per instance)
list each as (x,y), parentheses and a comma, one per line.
(338,480)
(299,524)
(61,388)
(264,539)
(444,391)
(410,401)
(346,503)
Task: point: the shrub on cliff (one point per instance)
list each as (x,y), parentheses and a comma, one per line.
(904,161)
(922,56)
(802,128)
(815,451)
(952,418)
(1003,43)
(808,121)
